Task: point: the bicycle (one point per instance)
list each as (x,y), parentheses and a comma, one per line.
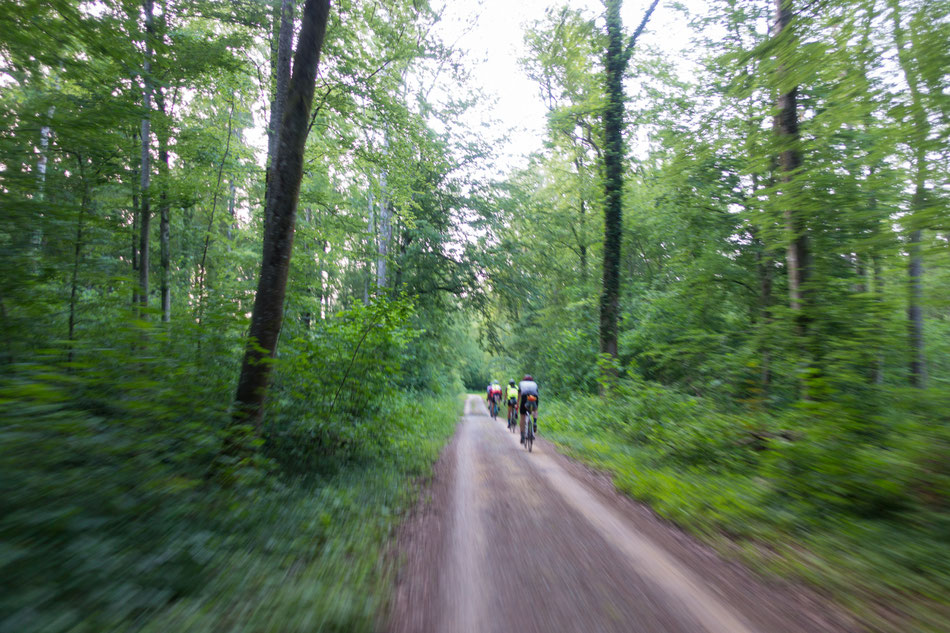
(528,432)
(529,426)
(494,408)
(512,415)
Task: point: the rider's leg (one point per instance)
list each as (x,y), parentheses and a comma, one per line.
(521,422)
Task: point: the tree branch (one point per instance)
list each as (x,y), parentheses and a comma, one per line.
(643,23)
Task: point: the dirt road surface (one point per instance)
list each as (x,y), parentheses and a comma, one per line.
(507,541)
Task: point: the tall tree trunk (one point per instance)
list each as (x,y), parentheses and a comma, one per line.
(268,312)
(232,199)
(878,370)
(281,42)
(77,252)
(145,175)
(36,240)
(371,239)
(384,239)
(582,222)
(582,243)
(764,271)
(915,265)
(164,206)
(615,63)
(915,313)
(136,219)
(790,160)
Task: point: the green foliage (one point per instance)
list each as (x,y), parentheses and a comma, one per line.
(129,501)
(861,508)
(113,517)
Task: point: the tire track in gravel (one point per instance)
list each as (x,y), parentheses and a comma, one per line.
(515,542)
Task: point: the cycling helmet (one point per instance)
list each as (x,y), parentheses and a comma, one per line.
(528,377)
(512,382)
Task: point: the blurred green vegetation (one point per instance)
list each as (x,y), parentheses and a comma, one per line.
(804,429)
(129,498)
(120,511)
(857,511)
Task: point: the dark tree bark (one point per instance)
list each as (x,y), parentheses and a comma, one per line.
(790,162)
(145,166)
(281,208)
(915,265)
(581,236)
(613,181)
(615,63)
(281,43)
(582,243)
(164,206)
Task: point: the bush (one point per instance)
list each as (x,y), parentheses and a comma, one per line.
(114,514)
(863,498)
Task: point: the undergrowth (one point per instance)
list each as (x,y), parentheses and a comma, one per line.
(120,509)
(858,510)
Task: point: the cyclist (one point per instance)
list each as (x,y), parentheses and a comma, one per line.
(495,397)
(528,401)
(511,395)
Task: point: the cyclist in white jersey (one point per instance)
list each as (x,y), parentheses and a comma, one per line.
(528,402)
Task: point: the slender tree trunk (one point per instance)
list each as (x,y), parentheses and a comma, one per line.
(145,225)
(915,313)
(136,220)
(403,238)
(383,246)
(36,240)
(384,240)
(878,372)
(7,356)
(764,270)
(43,159)
(915,266)
(582,222)
(324,281)
(232,198)
(202,267)
(164,209)
(281,208)
(371,238)
(281,43)
(77,253)
(582,245)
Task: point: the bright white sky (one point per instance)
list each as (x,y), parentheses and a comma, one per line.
(496,43)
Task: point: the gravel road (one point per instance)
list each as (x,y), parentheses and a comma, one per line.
(507,541)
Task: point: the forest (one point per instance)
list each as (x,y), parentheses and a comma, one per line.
(252,252)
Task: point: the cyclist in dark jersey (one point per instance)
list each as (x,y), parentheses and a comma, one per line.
(528,402)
